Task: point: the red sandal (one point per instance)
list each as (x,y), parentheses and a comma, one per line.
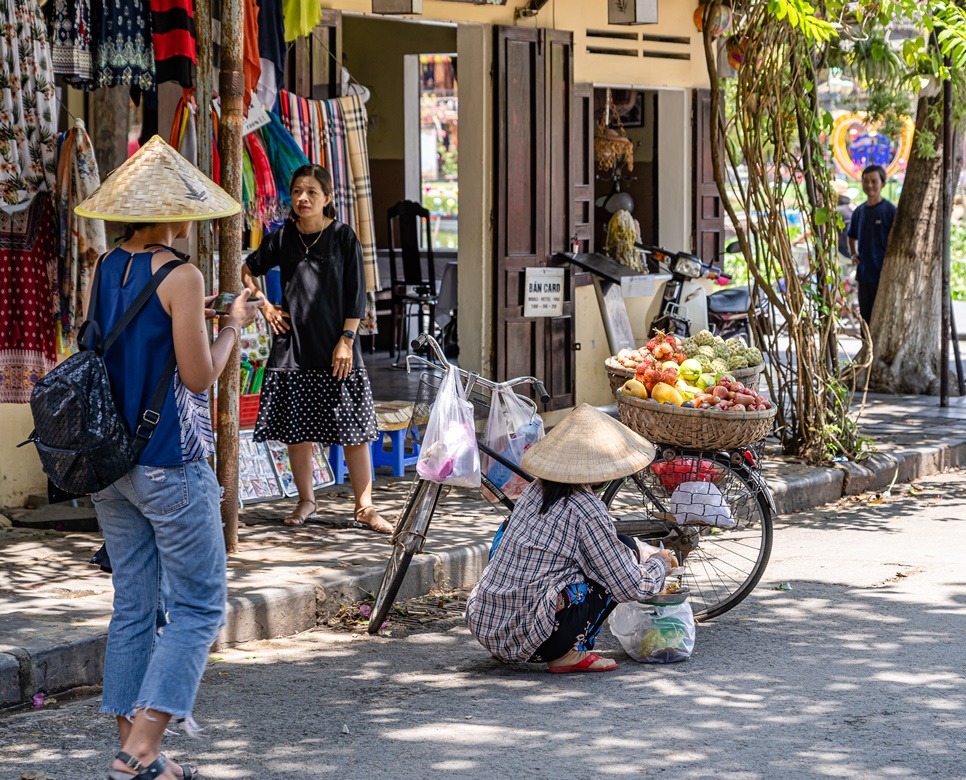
(585,665)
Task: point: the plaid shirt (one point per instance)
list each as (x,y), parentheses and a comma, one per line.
(511,609)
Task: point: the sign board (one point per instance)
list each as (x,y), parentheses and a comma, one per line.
(257,116)
(643,286)
(544,292)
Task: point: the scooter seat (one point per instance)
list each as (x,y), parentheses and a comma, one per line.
(734,300)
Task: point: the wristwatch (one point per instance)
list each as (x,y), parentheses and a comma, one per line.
(349,334)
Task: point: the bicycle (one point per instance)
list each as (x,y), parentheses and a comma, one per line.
(721,565)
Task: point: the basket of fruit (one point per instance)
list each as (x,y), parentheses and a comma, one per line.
(714,355)
(722,416)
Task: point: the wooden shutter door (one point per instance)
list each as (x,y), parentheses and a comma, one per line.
(582,155)
(520,197)
(708,219)
(533,201)
(559,371)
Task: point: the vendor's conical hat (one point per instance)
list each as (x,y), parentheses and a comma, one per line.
(588,447)
(156,184)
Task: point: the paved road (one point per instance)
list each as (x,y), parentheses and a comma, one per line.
(857,671)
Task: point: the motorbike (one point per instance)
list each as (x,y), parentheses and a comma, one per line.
(726,312)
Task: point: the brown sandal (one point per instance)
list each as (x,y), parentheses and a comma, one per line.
(295,518)
(377,524)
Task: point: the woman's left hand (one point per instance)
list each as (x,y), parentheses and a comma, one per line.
(341,359)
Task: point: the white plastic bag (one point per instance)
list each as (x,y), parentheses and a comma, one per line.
(448,453)
(700,503)
(511,429)
(654,634)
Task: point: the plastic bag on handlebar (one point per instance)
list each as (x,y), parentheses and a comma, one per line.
(511,429)
(449,454)
(652,633)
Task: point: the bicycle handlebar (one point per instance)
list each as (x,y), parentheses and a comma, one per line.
(425,339)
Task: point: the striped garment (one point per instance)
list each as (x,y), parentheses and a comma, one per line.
(173,36)
(194,417)
(511,609)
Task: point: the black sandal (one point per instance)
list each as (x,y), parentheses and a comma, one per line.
(188,772)
(148,772)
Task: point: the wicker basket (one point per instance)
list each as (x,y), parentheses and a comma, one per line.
(617,374)
(749,377)
(701,429)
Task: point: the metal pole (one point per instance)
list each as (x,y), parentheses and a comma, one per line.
(232,85)
(203,120)
(947,301)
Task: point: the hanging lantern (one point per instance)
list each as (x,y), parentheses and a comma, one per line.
(720,22)
(736,52)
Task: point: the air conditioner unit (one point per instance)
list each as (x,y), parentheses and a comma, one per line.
(631,11)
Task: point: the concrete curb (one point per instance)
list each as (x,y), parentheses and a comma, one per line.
(267,613)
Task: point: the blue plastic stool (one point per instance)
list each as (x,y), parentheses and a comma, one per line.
(337,463)
(396,456)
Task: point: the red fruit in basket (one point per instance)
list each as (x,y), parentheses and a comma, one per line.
(714,400)
(671,339)
(652,345)
(738,387)
(662,351)
(721,392)
(726,381)
(704,406)
(680,357)
(739,408)
(766,404)
(745,399)
(651,376)
(724,406)
(669,376)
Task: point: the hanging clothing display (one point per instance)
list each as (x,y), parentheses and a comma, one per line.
(122,48)
(70,40)
(173,41)
(28,258)
(356,130)
(271,50)
(251,62)
(285,157)
(301,17)
(28,145)
(262,207)
(80,241)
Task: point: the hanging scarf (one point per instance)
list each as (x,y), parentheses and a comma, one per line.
(265,209)
(356,126)
(28,147)
(284,156)
(28,268)
(80,241)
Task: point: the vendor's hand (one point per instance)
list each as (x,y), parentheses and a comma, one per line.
(210,313)
(276,319)
(242,313)
(668,557)
(341,359)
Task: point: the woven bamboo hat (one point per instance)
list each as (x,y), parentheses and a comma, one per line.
(588,447)
(157,184)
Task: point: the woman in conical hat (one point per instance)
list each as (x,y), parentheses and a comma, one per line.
(559,568)
(163,516)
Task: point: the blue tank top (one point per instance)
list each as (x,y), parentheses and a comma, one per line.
(137,359)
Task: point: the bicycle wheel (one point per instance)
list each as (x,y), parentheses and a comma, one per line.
(721,566)
(407,540)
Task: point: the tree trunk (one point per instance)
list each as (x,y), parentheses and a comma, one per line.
(906,320)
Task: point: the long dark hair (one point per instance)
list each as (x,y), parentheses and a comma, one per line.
(324,178)
(554,492)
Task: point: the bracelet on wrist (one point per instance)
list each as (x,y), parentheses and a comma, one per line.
(223,328)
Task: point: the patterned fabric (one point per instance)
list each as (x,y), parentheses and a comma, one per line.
(356,129)
(511,610)
(194,416)
(122,45)
(80,241)
(70,49)
(28,258)
(28,137)
(581,612)
(285,156)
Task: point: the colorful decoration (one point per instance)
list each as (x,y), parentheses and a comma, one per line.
(855,145)
(721,21)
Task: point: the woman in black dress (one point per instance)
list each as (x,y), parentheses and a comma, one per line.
(316,388)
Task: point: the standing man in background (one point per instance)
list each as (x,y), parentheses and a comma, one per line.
(869,235)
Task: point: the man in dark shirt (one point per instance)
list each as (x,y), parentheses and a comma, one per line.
(869,235)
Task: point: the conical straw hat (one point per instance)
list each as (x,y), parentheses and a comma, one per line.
(588,447)
(156,184)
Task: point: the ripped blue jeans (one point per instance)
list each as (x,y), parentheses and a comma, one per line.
(162,519)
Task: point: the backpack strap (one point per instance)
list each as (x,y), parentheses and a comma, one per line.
(139,302)
(152,415)
(176,252)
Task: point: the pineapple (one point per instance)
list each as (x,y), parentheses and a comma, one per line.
(705,350)
(704,338)
(754,357)
(719,366)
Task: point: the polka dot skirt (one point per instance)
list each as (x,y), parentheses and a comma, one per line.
(300,406)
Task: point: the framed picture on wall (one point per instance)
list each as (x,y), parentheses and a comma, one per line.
(632,111)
